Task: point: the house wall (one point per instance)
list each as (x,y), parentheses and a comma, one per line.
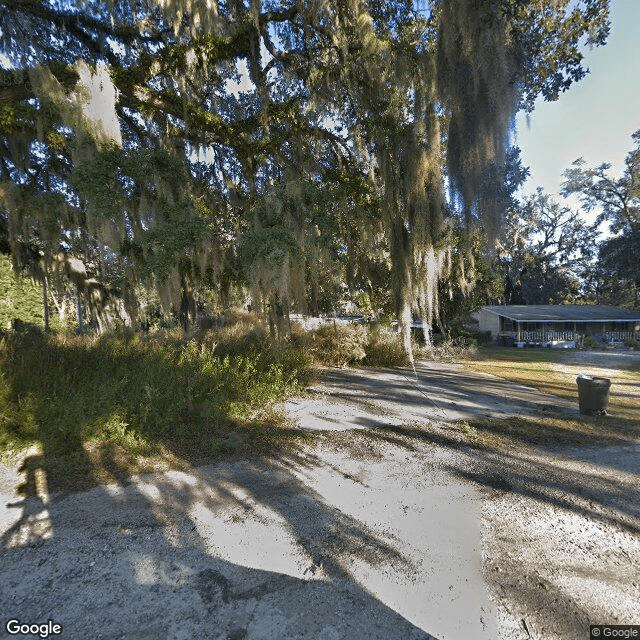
(488,321)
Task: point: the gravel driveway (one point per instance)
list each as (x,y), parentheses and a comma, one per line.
(328,544)
(434,392)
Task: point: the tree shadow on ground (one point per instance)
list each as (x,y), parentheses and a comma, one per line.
(445,389)
(597,481)
(247,551)
(239,550)
(529,459)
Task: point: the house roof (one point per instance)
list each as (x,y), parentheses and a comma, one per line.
(565,313)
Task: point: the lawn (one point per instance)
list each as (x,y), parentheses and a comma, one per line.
(554,372)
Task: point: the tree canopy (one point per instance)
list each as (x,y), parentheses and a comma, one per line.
(187,144)
(545,249)
(615,277)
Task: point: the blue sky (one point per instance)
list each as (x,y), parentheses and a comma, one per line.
(596,117)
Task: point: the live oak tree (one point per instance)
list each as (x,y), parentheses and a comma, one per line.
(471,250)
(617,200)
(32,167)
(615,277)
(46,230)
(544,249)
(257,98)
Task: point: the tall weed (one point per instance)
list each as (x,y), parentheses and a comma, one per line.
(63,391)
(449,350)
(343,345)
(339,345)
(385,349)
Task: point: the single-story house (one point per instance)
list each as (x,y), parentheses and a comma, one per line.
(559,325)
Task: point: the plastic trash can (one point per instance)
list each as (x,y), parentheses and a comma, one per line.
(593,395)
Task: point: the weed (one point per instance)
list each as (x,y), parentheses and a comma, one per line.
(339,345)
(141,395)
(385,349)
(449,350)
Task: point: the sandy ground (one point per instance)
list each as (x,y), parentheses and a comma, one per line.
(608,364)
(324,545)
(376,531)
(561,526)
(606,358)
(435,391)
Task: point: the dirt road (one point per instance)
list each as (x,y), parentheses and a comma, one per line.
(367,398)
(396,529)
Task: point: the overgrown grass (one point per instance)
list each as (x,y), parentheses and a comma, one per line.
(450,350)
(127,399)
(339,345)
(385,349)
(342,345)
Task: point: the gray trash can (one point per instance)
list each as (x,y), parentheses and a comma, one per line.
(593,395)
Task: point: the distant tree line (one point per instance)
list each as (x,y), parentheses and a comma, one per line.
(550,254)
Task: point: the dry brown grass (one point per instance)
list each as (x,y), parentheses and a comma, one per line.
(549,372)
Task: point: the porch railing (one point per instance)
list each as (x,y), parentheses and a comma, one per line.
(619,336)
(545,336)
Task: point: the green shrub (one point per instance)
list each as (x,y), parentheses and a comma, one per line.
(339,344)
(589,342)
(385,349)
(63,391)
(632,343)
(465,336)
(384,321)
(21,302)
(240,334)
(300,338)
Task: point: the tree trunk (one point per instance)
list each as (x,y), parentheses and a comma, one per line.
(404,322)
(313,306)
(45,302)
(278,317)
(79,310)
(187,303)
